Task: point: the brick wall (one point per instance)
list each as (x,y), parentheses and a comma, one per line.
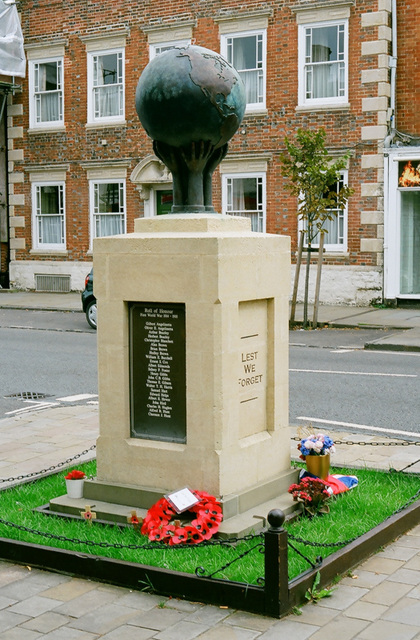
(262,133)
(408,77)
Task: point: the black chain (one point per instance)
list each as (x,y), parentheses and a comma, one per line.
(343,543)
(409,501)
(361,443)
(201,572)
(318,560)
(59,465)
(308,543)
(107,545)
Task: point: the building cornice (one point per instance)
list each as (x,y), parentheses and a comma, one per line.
(46,42)
(43,168)
(234,14)
(172,24)
(329,4)
(123,32)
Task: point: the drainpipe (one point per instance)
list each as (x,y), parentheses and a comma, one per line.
(393,68)
(389,138)
(393,63)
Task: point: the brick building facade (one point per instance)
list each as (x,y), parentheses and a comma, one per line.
(80,164)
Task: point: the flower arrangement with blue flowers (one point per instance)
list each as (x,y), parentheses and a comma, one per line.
(316,445)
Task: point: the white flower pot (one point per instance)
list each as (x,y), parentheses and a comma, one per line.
(75,488)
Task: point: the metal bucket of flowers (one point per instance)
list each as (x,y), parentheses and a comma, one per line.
(315,450)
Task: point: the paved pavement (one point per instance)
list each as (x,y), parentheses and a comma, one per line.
(381,599)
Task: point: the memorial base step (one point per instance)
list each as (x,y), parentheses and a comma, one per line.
(243,513)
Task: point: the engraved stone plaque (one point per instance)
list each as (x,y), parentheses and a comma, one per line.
(253,367)
(157,371)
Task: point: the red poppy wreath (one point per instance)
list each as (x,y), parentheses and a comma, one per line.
(160,525)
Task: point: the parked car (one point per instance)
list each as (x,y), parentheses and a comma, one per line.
(89,300)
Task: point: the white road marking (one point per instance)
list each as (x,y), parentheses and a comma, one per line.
(357,373)
(362,427)
(387,352)
(346,350)
(81,396)
(35,405)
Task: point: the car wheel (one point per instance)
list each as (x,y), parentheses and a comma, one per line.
(91,314)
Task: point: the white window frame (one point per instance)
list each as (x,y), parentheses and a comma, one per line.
(304,64)
(35,95)
(227,205)
(37,216)
(331,247)
(226,44)
(92,56)
(94,213)
(156,48)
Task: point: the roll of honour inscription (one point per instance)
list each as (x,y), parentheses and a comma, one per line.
(157,359)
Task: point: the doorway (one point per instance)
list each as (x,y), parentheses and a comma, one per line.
(410,243)
(402,224)
(164,201)
(409,189)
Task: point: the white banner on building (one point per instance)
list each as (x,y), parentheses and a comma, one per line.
(12,54)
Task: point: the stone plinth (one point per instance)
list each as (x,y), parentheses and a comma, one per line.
(228,288)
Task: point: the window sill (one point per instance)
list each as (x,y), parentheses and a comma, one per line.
(47,129)
(343,106)
(255,112)
(328,253)
(105,125)
(49,252)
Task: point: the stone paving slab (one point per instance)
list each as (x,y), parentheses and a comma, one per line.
(14,299)
(46,622)
(125,632)
(222,632)
(385,630)
(369,605)
(183,630)
(103,619)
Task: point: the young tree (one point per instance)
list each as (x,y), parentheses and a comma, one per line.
(312,177)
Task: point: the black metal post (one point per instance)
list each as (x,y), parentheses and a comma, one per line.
(276,566)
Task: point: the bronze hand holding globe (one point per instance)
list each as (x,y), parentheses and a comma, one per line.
(190,102)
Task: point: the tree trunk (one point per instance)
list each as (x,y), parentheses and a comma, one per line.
(305,302)
(296,282)
(318,281)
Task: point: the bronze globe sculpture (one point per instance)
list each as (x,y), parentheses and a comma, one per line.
(190,101)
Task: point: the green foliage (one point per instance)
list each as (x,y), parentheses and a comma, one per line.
(378,495)
(314,594)
(312,494)
(312,177)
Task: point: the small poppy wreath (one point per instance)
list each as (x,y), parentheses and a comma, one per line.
(158,525)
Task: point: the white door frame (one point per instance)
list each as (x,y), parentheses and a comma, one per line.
(392,220)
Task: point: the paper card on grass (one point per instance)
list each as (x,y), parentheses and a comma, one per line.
(182,499)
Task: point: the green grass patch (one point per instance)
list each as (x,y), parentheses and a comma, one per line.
(377,497)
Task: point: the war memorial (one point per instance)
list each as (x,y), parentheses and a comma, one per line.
(193,322)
